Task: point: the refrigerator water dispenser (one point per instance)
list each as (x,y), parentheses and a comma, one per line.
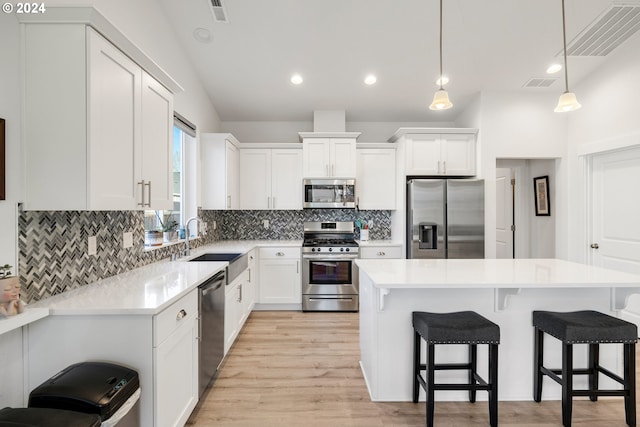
(428,235)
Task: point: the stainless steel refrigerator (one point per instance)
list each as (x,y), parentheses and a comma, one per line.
(445,218)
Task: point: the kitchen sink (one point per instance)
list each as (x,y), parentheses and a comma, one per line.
(237,262)
(216,257)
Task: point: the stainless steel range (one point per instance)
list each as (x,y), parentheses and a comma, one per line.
(329,274)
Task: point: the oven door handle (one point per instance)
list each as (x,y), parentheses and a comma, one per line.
(331,257)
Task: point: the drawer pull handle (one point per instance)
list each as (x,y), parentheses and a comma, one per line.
(381,253)
(279,253)
(181,315)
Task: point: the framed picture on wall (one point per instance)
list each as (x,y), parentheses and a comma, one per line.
(2,162)
(541,191)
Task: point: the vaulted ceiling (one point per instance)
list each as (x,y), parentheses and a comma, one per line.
(496,45)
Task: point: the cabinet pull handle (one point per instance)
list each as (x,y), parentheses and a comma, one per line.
(438,166)
(148,184)
(297,267)
(141,184)
(444,166)
(273,202)
(228,202)
(240,293)
(381,253)
(181,314)
(279,253)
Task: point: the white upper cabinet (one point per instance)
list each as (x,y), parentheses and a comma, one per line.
(376,178)
(286,179)
(325,157)
(271,178)
(220,166)
(157,158)
(97,126)
(440,152)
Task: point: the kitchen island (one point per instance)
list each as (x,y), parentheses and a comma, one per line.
(504,291)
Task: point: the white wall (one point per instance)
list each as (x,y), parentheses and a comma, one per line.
(516,125)
(609,120)
(287,132)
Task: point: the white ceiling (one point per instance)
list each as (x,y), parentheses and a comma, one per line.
(488,45)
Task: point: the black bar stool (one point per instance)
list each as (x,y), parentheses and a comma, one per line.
(465,327)
(585,327)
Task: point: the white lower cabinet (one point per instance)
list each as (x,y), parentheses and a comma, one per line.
(162,348)
(239,301)
(280,276)
(176,362)
(381,252)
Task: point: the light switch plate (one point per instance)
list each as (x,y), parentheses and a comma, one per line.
(265,223)
(92,248)
(127,239)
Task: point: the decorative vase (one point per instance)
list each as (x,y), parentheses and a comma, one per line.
(169,236)
(10,303)
(153,238)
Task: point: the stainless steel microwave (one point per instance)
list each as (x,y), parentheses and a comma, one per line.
(329,193)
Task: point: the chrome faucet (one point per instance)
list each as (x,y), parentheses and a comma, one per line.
(187,251)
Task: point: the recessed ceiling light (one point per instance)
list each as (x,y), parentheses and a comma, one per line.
(554,68)
(202,35)
(370,79)
(445,80)
(296,79)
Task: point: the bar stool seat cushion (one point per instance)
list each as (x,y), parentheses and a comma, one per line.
(585,327)
(463,327)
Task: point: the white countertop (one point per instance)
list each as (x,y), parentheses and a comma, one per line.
(150,289)
(490,273)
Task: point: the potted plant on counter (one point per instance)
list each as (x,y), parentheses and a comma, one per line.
(10,302)
(169,227)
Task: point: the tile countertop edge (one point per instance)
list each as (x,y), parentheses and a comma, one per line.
(29,315)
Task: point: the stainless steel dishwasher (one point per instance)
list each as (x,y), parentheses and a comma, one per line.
(211,328)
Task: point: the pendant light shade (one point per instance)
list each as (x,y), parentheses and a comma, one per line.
(441,98)
(567,101)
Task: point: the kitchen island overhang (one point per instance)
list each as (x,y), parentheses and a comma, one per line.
(504,291)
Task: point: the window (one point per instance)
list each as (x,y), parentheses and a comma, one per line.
(184,205)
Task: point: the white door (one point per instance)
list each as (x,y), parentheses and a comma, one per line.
(504,213)
(615,234)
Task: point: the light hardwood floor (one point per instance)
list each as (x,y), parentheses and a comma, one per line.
(301,369)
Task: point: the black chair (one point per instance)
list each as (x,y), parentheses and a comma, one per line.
(465,327)
(585,327)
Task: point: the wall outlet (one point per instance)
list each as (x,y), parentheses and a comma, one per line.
(92,248)
(265,223)
(127,239)
(215,225)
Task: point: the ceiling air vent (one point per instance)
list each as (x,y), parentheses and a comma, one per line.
(608,31)
(219,14)
(540,82)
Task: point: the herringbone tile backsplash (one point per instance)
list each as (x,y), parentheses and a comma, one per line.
(53,246)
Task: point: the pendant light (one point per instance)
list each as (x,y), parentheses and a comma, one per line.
(567,101)
(441,98)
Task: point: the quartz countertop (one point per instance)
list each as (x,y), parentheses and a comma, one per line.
(490,273)
(150,289)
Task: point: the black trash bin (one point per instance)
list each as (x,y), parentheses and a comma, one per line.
(98,388)
(46,417)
